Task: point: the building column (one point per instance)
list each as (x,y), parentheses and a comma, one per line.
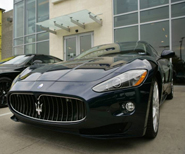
(1,18)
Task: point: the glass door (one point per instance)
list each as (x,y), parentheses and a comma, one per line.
(70,47)
(76,44)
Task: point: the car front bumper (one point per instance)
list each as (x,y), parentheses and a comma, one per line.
(105,117)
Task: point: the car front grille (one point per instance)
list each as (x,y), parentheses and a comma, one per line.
(48,107)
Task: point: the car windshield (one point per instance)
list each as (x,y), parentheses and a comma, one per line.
(111,50)
(19,59)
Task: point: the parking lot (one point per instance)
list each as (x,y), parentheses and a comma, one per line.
(19,138)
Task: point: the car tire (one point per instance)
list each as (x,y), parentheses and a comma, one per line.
(154,113)
(170,96)
(5,84)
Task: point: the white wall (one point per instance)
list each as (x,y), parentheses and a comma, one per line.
(102,34)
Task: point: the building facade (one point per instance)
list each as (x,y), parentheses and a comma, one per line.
(27,36)
(7,31)
(69,27)
(1,16)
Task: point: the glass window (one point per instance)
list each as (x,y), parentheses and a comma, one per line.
(29,49)
(44,59)
(42,36)
(126,20)
(157,34)
(30,39)
(30,17)
(26,14)
(85,43)
(18,41)
(175,1)
(157,54)
(43,12)
(18,50)
(57,60)
(43,47)
(123,6)
(17,1)
(155,14)
(152,3)
(178,46)
(126,34)
(18,22)
(178,10)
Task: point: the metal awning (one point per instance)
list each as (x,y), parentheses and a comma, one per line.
(66,22)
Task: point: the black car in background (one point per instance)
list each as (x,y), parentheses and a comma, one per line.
(112,90)
(6,59)
(11,67)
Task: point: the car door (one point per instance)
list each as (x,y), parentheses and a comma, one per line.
(166,68)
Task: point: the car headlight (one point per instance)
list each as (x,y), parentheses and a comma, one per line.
(128,79)
(15,80)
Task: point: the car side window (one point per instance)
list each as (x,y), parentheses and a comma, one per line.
(54,59)
(154,52)
(57,60)
(44,59)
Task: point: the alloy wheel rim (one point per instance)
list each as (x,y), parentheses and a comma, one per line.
(155,107)
(4,88)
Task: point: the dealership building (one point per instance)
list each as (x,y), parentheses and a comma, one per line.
(66,28)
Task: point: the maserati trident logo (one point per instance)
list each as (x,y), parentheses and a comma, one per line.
(38,108)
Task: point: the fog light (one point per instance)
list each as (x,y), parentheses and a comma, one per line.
(130,106)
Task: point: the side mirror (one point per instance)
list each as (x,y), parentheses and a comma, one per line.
(167,54)
(37,62)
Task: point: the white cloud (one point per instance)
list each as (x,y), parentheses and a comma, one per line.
(6,4)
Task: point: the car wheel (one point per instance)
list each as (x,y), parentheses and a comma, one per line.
(154,113)
(170,96)
(5,84)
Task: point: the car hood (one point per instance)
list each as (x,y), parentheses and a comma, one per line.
(77,70)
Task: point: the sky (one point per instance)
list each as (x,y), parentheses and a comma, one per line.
(6,4)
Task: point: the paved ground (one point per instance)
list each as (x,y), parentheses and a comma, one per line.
(18,138)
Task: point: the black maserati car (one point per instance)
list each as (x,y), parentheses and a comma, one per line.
(109,91)
(12,66)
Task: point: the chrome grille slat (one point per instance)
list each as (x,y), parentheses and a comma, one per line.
(57,109)
(48,109)
(30,106)
(71,111)
(77,110)
(66,110)
(25,98)
(33,107)
(53,111)
(54,108)
(18,105)
(44,115)
(24,104)
(62,113)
